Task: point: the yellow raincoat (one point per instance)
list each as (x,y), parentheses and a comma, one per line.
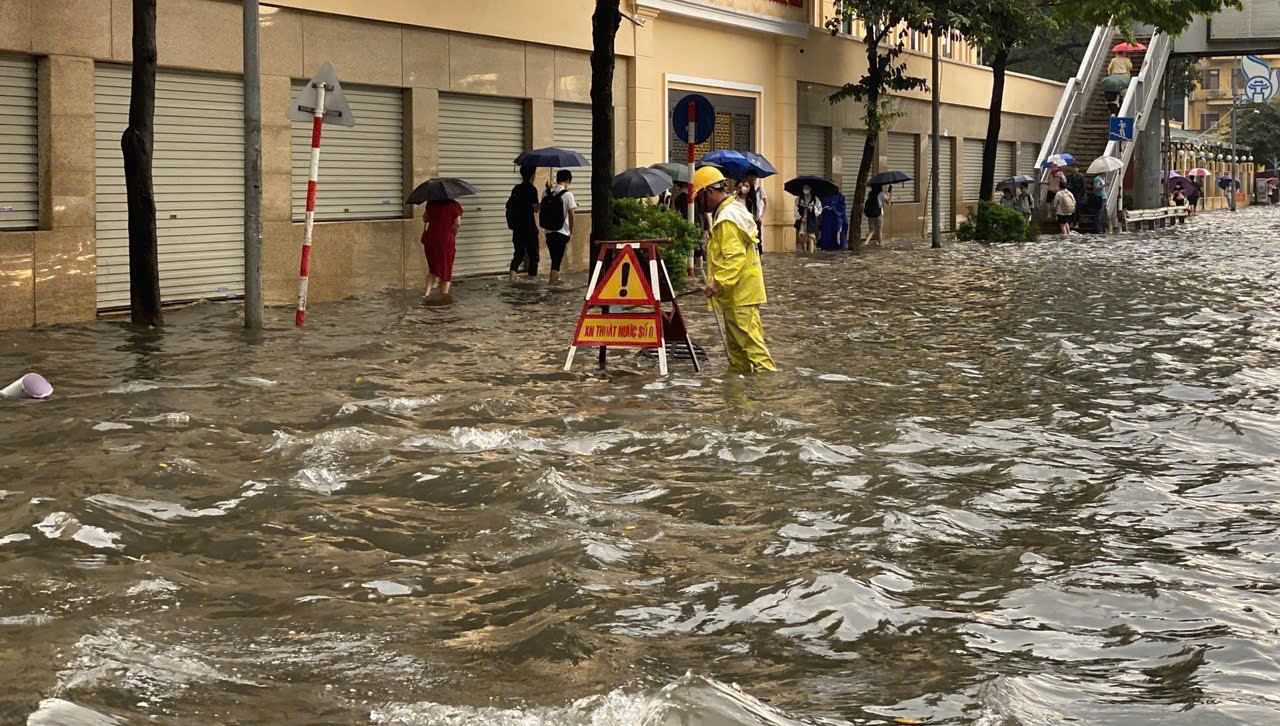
(734,266)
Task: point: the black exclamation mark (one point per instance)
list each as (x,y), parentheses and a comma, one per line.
(626,273)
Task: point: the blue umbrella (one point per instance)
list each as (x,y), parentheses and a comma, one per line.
(759,164)
(551,156)
(1058,160)
(735,163)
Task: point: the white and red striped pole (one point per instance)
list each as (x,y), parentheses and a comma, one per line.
(693,132)
(317,125)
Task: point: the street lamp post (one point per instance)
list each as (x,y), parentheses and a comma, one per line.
(1231,185)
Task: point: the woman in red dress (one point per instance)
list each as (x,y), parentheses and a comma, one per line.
(439,242)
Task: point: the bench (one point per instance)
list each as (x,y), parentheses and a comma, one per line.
(1138,219)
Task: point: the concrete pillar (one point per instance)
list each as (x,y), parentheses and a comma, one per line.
(646,109)
(781,235)
(1146,178)
(64,249)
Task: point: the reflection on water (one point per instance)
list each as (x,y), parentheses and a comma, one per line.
(1017,485)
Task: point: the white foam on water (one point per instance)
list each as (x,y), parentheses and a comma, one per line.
(115,661)
(61,525)
(255,381)
(173,418)
(112,426)
(158,586)
(389,405)
(164,511)
(14,538)
(57,712)
(389,588)
(26,621)
(690,701)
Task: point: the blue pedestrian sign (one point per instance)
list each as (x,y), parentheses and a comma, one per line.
(1121,129)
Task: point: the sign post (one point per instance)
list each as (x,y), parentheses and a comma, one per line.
(625,284)
(320,99)
(694,120)
(1121,130)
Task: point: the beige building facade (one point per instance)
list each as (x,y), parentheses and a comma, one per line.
(437,89)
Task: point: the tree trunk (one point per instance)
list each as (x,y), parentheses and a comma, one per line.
(604,30)
(138,143)
(868,145)
(999,62)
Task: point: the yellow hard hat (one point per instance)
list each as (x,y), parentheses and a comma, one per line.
(705,177)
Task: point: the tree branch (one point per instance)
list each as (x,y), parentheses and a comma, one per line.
(1064,47)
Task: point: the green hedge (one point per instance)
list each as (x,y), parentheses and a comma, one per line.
(995,223)
(636,219)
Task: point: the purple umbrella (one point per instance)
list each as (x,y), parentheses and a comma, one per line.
(1181,182)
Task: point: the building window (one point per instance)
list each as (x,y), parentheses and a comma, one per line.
(1210,81)
(1208,121)
(945,49)
(1237,79)
(846,25)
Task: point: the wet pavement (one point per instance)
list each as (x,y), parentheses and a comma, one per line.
(1029,484)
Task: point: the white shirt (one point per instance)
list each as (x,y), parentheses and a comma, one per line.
(570,204)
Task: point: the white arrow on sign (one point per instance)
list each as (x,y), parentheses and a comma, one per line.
(336,110)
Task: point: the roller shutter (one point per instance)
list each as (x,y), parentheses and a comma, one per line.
(480,137)
(946,187)
(19,163)
(812,154)
(361,168)
(1027,164)
(852,144)
(972,169)
(901,155)
(1005,167)
(199,185)
(573,131)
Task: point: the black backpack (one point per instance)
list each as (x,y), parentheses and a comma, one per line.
(871,207)
(513,217)
(551,211)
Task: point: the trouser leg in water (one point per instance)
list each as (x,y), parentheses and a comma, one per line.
(745,340)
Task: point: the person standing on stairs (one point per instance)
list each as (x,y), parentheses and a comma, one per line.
(1076,183)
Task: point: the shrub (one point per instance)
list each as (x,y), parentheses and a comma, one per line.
(994,223)
(638,219)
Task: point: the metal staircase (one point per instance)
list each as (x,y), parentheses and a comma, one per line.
(1081,124)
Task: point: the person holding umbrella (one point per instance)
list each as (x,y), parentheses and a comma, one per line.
(808,211)
(757,202)
(875,209)
(735,280)
(522,208)
(442,218)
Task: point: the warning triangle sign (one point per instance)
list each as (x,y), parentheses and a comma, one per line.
(336,110)
(624,283)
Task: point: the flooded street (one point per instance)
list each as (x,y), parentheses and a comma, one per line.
(1018,485)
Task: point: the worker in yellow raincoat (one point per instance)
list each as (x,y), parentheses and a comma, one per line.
(735,280)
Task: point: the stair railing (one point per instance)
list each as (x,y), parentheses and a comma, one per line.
(1138,103)
(1075,100)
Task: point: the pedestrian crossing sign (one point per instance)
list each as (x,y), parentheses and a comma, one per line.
(625,283)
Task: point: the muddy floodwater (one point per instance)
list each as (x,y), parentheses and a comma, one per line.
(1021,485)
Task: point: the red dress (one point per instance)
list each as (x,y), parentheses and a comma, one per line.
(438,241)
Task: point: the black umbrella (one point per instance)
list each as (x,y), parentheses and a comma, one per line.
(1013,182)
(821,187)
(553,157)
(1226,182)
(638,183)
(889,177)
(440,189)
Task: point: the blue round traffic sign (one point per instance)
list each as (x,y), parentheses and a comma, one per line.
(704,118)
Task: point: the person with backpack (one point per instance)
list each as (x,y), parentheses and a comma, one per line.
(1064,205)
(522,206)
(878,201)
(555,215)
